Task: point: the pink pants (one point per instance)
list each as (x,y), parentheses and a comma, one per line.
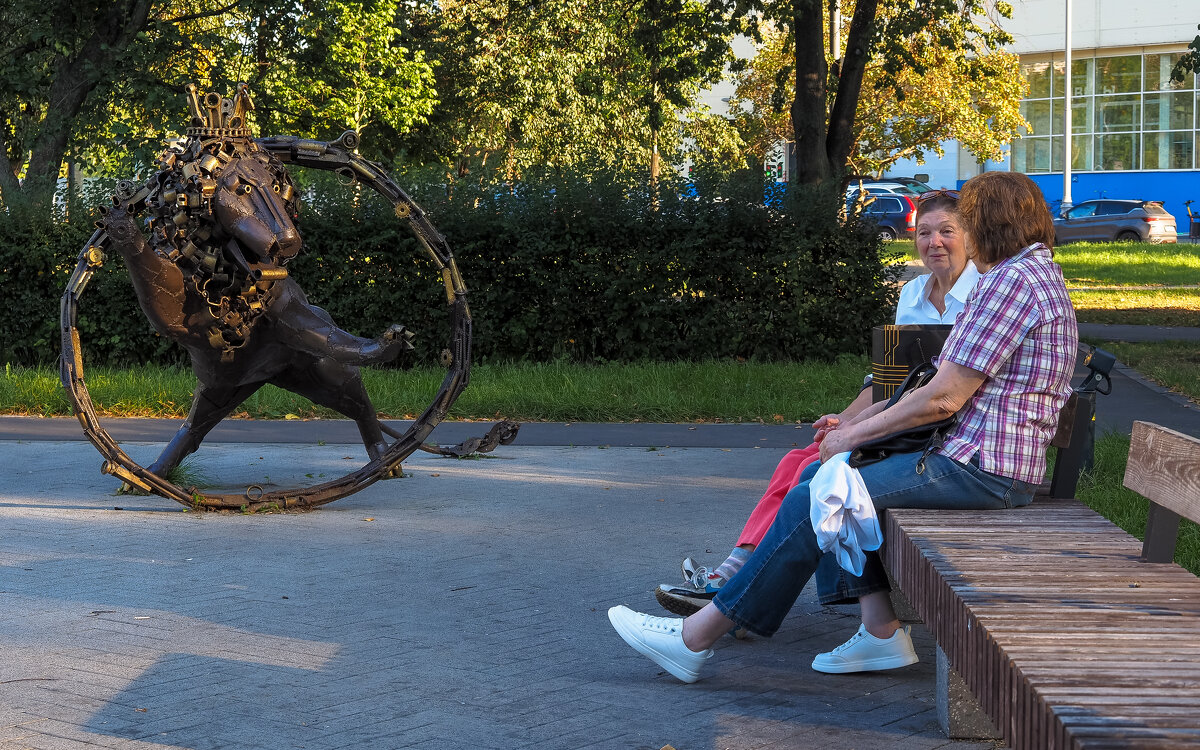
(784,479)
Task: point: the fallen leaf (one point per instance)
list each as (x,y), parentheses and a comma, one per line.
(660,499)
(435,474)
(141,710)
(290,416)
(727,450)
(368,519)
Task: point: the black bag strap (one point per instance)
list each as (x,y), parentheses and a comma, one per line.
(918,376)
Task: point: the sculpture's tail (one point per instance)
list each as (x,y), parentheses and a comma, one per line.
(502,433)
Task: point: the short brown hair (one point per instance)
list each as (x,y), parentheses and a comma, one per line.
(1002,213)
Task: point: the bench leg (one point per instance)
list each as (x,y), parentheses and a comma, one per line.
(958,711)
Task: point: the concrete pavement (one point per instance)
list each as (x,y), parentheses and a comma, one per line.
(462,606)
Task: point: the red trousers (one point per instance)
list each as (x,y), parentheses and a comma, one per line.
(784,479)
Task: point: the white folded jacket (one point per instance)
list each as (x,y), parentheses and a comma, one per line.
(843,515)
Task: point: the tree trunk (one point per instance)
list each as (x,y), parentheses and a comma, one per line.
(74,79)
(845,104)
(809,108)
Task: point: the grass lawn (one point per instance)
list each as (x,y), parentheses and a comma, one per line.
(556,392)
(1103,491)
(1093,269)
(1172,364)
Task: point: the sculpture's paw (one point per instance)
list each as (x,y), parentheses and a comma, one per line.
(396,339)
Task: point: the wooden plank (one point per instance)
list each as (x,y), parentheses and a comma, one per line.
(1164,467)
(1066,638)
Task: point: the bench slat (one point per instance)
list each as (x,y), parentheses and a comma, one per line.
(1163,468)
(1065,637)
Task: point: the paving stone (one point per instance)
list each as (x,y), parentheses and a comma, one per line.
(470,613)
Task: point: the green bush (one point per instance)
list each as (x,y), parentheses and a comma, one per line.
(557,268)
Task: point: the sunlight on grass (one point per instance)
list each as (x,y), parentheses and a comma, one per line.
(1161,307)
(1129,264)
(561,392)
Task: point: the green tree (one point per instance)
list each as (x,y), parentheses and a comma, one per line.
(1190,62)
(55,53)
(973,99)
(893,38)
(679,46)
(349,68)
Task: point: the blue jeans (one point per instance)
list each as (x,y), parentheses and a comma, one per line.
(764,590)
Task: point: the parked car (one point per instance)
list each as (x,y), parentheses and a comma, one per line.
(1106,220)
(902,185)
(896,214)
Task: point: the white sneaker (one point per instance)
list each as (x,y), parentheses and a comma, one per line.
(661,639)
(866,653)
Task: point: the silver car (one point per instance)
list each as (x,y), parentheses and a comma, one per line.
(1107,220)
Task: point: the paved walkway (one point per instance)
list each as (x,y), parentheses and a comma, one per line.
(459,607)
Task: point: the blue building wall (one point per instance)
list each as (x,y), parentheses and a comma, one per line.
(1172,188)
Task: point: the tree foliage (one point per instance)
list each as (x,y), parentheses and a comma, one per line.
(1190,62)
(889,49)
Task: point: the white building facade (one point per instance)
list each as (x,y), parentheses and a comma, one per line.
(1134,133)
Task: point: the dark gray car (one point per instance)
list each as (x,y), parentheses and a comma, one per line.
(1107,220)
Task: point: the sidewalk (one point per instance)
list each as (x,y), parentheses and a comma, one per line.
(462,606)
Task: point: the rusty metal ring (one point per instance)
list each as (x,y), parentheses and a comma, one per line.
(121,465)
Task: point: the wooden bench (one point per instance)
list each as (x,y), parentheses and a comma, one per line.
(1068,631)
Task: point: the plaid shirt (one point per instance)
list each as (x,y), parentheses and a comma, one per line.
(1018,329)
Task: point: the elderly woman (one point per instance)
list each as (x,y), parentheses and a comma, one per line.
(935,298)
(1005,369)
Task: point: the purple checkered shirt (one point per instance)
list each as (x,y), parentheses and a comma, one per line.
(1018,329)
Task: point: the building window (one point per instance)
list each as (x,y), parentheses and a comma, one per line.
(1126,114)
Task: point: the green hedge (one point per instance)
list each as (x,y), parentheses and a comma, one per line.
(586,270)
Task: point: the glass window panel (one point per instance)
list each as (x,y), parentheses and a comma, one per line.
(1115,75)
(1056,154)
(1168,111)
(1168,150)
(1056,117)
(1116,153)
(1158,73)
(1038,75)
(1037,114)
(1117,113)
(1037,155)
(1081,153)
(1018,155)
(1081,114)
(1081,76)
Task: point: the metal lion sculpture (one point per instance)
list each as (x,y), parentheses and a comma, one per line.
(212,276)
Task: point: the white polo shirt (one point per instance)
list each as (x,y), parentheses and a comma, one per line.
(914,307)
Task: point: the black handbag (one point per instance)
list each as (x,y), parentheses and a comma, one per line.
(923,438)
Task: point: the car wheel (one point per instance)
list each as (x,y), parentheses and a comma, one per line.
(887,233)
(1129,236)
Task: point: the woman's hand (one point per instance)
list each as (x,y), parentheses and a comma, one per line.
(824,425)
(837,441)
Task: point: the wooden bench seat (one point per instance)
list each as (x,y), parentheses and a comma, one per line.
(1051,615)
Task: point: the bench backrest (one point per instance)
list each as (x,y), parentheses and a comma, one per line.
(1164,468)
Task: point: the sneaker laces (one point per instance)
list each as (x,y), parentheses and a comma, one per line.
(850,643)
(700,579)
(662,624)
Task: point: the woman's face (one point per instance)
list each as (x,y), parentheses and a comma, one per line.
(940,244)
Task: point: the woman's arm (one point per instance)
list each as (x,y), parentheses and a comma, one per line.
(942,396)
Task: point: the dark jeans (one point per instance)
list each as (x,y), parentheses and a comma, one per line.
(764,590)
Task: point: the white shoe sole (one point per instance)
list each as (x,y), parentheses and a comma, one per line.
(629,635)
(869,665)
